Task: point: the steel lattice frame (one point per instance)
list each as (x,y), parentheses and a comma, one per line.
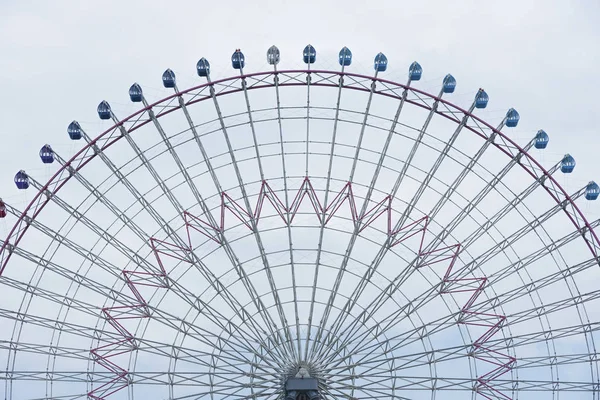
(209,263)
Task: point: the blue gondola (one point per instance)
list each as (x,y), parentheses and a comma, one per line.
(481,99)
(449,84)
(345,57)
(2,209)
(46,154)
(380,63)
(238,61)
(592,190)
(415,71)
(567,165)
(104,110)
(512,118)
(273,55)
(541,139)
(21,180)
(309,55)
(74,131)
(168,78)
(135,93)
(203,67)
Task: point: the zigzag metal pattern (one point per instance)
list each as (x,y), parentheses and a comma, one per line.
(115,315)
(306,190)
(502,363)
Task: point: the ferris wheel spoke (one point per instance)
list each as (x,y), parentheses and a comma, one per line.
(387,322)
(68,273)
(396,341)
(492,220)
(230,356)
(363,127)
(159,181)
(362,342)
(287,203)
(533,185)
(252,127)
(399,225)
(51,323)
(372,390)
(546,249)
(509,240)
(359,226)
(245,339)
(229,251)
(257,235)
(403,362)
(138,261)
(179,243)
(207,363)
(474,160)
(375,381)
(101,233)
(517,292)
(308,107)
(113,208)
(129,186)
(472,205)
(338,280)
(419,383)
(235,391)
(523,340)
(555,306)
(42,349)
(535,337)
(182,169)
(322,219)
(229,382)
(526,289)
(543,386)
(386,293)
(403,385)
(423,383)
(426,181)
(128,252)
(440,355)
(229,363)
(287,338)
(158,378)
(50,296)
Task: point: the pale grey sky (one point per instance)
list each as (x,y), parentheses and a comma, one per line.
(60,59)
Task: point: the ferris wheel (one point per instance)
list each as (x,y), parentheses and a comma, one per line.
(301,234)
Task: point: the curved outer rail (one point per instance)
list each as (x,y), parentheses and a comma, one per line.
(318,78)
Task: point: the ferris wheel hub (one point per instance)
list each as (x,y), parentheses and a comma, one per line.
(301,383)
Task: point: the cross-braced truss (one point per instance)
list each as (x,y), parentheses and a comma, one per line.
(395,243)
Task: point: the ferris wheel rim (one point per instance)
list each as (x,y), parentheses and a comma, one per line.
(4,259)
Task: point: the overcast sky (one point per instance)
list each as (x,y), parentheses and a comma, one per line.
(60,58)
